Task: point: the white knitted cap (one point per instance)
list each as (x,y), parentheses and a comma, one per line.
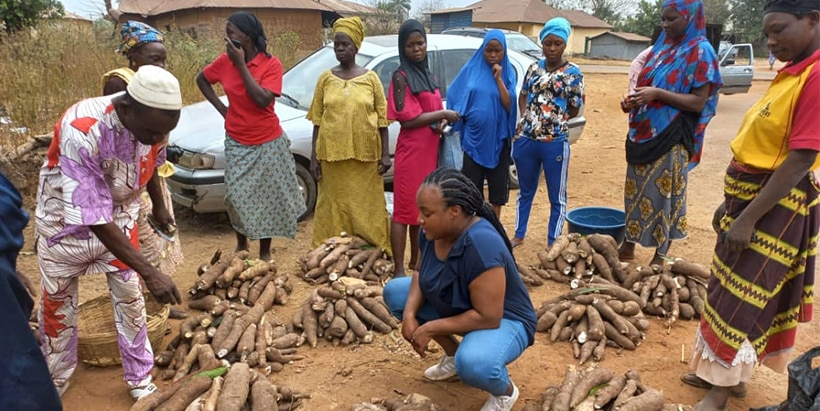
(155,87)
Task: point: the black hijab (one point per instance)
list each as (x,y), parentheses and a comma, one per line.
(252,27)
(797,7)
(418,74)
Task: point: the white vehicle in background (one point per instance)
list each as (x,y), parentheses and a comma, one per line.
(196,146)
(736,67)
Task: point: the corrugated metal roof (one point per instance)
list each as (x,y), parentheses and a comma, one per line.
(157,7)
(630,37)
(73,16)
(525,11)
(348,8)
(451,10)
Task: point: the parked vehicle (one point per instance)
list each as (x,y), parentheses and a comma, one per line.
(736,60)
(515,40)
(198,140)
(736,67)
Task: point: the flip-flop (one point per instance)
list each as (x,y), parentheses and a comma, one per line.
(738,391)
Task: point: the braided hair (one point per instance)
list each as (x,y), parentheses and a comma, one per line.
(799,8)
(458,190)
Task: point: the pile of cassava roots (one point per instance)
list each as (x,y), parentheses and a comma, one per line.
(346,256)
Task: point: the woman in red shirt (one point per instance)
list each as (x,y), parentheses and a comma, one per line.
(263,197)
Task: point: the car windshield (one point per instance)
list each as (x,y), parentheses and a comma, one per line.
(299,82)
(520,42)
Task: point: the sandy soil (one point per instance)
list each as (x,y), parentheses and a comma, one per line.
(389,365)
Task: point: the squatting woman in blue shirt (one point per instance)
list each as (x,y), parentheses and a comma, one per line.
(468,285)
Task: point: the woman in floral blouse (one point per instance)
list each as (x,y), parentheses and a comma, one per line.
(552,93)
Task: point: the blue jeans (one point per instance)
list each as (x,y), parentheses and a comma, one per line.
(483,355)
(530,157)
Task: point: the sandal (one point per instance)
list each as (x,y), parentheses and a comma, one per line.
(690,378)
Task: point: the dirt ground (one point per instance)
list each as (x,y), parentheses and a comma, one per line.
(389,365)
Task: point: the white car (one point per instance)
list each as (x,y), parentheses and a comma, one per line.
(197,144)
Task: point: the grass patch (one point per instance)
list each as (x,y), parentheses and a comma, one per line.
(45,71)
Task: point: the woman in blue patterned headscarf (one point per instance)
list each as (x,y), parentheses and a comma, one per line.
(141,44)
(674,100)
(144,45)
(483,92)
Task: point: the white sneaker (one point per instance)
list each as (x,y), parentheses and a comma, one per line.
(444,370)
(140,392)
(501,402)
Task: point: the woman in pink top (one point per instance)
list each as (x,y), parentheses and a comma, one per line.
(414,101)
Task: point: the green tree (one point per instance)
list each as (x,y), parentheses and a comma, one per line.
(606,10)
(747,19)
(398,8)
(643,22)
(16,15)
(717,11)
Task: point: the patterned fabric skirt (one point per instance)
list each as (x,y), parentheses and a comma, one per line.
(163,254)
(655,199)
(262,196)
(351,199)
(762,293)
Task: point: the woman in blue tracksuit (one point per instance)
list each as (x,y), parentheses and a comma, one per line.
(552,93)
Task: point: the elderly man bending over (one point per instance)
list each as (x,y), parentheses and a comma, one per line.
(104,154)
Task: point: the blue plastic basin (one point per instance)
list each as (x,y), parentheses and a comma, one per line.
(597,220)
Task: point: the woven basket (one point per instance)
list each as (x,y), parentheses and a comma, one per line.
(97,334)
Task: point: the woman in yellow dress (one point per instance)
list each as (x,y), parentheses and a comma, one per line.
(350,145)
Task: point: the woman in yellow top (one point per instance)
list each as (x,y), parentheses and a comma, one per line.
(350,145)
(144,45)
(763,269)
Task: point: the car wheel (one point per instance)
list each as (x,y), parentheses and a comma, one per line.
(308,188)
(513,177)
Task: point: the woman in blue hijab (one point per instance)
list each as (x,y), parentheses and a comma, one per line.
(482,92)
(552,93)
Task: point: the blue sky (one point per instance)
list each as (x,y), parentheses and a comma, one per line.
(94,8)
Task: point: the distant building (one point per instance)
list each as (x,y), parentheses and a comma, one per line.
(524,16)
(618,46)
(74,21)
(303,17)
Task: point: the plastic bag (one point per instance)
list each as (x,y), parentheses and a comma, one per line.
(804,386)
(449,151)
